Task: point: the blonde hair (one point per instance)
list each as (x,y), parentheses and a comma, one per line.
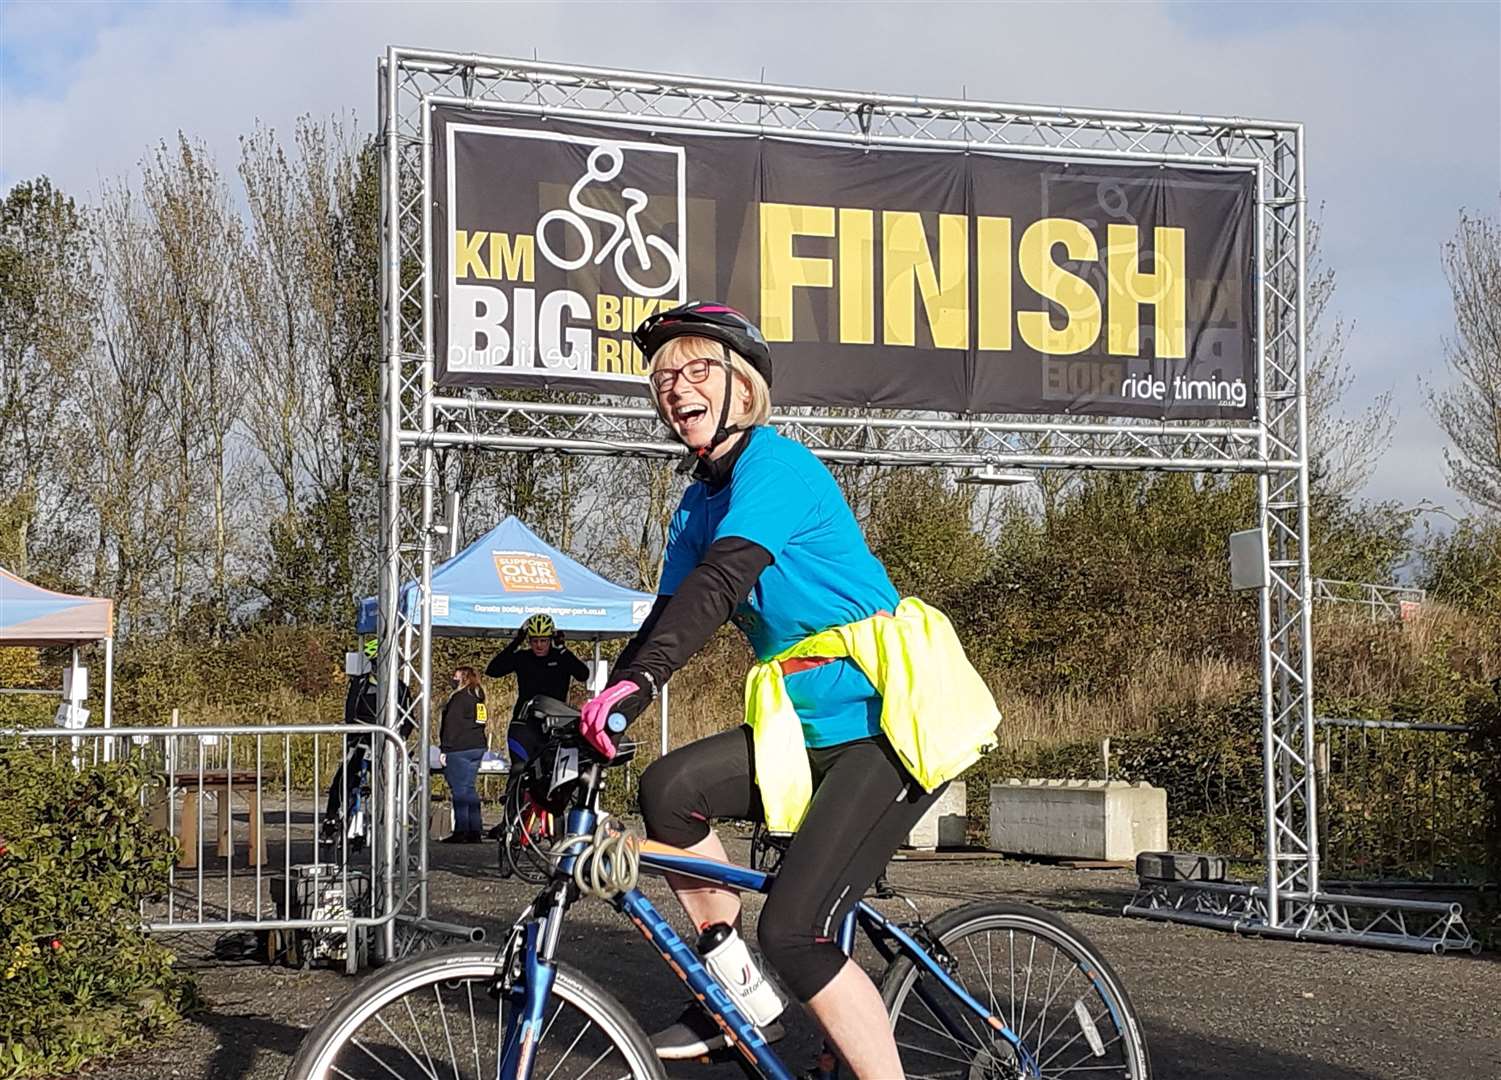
(691,347)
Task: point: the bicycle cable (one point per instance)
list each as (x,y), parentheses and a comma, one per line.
(610,863)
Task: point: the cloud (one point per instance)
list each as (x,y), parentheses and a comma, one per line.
(1400,102)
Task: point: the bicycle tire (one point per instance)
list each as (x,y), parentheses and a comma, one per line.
(951,929)
(317,1058)
(520,859)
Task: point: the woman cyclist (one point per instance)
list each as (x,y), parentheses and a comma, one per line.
(845,741)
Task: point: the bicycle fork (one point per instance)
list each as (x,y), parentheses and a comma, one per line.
(530,972)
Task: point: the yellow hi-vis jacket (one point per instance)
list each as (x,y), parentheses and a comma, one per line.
(935,709)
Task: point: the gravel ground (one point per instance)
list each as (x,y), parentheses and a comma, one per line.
(1212,1004)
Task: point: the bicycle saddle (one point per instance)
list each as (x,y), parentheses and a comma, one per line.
(552,714)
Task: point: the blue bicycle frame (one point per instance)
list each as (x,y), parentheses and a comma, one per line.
(534,940)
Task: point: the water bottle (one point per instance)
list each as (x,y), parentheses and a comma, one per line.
(732,965)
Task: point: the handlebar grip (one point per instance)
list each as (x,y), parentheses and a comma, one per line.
(616,723)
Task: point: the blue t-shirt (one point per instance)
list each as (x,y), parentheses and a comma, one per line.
(822,574)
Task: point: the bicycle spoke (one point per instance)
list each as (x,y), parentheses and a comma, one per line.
(1027,989)
(1042,1013)
(473,1027)
(1064,1016)
(1077,1036)
(371,1055)
(963,1015)
(582,1032)
(596,1061)
(933,1028)
(1068,974)
(447,1034)
(548,1029)
(934,1053)
(1011,967)
(417,1030)
(431,1075)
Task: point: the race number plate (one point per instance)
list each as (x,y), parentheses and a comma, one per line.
(565,767)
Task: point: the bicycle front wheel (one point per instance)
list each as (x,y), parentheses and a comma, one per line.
(438,1014)
(1040,976)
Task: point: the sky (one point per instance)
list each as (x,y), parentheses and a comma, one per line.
(1401,103)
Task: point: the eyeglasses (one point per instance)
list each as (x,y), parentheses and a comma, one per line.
(695,371)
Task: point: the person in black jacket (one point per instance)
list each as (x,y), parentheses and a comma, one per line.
(542,664)
(462,741)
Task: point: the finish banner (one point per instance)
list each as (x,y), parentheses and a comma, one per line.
(911,279)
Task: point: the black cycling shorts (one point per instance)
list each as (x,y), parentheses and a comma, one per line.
(864,805)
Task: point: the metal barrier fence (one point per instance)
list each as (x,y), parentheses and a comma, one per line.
(283,852)
(1375,601)
(1401,802)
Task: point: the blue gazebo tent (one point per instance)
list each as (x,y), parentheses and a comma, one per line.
(510,574)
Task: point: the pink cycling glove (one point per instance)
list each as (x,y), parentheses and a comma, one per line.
(598,709)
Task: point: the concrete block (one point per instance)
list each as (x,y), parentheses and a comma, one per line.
(1078,819)
(943,826)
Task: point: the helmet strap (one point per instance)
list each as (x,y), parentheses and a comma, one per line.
(693,460)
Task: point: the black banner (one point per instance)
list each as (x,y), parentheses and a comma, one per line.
(891,278)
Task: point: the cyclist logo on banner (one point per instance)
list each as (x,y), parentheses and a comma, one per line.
(558,244)
(634,263)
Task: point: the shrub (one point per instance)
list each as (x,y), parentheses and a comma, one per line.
(78,978)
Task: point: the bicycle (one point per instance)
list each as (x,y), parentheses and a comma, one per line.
(954,1011)
(351,824)
(604,165)
(528,828)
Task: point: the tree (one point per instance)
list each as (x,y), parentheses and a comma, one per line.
(47,291)
(115,445)
(197,236)
(309,304)
(1469,409)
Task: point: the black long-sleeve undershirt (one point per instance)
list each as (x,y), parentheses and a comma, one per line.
(682,623)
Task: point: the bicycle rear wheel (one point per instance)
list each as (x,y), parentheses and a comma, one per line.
(527,836)
(435,1015)
(1040,976)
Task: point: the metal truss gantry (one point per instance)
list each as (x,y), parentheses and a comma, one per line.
(418,420)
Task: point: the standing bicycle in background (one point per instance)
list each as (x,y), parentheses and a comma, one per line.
(462,742)
(361,706)
(860,708)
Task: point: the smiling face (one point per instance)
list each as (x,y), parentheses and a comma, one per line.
(693,408)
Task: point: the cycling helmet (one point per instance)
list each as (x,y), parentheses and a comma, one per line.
(718,322)
(540,626)
(372,647)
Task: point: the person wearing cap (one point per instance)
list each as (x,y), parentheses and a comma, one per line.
(835,746)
